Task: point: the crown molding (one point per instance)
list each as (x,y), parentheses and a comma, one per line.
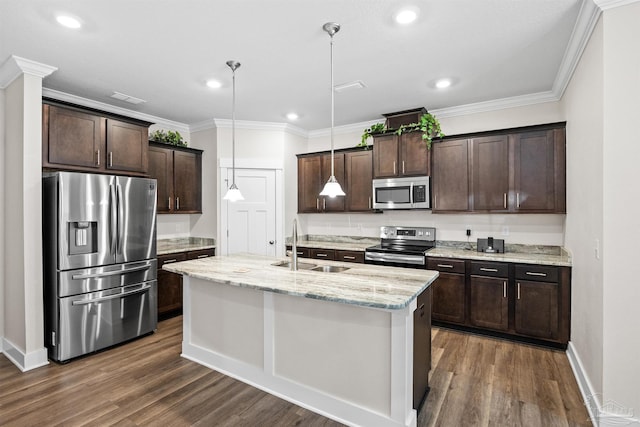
(248,125)
(15,66)
(610,4)
(157,121)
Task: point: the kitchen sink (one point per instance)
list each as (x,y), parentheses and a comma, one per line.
(301,265)
(330,268)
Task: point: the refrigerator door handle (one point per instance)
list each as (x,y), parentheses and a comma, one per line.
(120,218)
(110,273)
(113,221)
(122,295)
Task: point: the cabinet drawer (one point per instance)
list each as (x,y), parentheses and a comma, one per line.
(302,252)
(349,256)
(538,273)
(323,254)
(202,253)
(491,269)
(169,258)
(446,265)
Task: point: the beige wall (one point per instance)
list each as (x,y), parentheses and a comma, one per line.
(621,231)
(583,106)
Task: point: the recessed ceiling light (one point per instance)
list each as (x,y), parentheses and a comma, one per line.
(214,84)
(443,83)
(68,21)
(292,116)
(406,16)
(348,86)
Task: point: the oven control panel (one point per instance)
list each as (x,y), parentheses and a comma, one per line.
(408,233)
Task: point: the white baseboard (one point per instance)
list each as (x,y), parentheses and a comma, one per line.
(599,413)
(24,361)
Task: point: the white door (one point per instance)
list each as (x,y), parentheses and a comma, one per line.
(251,223)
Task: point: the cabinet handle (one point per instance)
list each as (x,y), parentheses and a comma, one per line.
(394,167)
(533,273)
(321,255)
(403,167)
(317,204)
(177,203)
(348,257)
(505,200)
(369,202)
(169,203)
(110,159)
(518,290)
(504,289)
(491,270)
(167,261)
(299,252)
(518,199)
(203,256)
(324,204)
(445,265)
(98,158)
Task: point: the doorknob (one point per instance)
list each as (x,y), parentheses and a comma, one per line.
(271,242)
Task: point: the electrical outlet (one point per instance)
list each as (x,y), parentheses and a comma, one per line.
(505,230)
(468,232)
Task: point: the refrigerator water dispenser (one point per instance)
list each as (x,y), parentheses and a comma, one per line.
(83,237)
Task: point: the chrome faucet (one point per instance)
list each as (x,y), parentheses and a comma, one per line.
(294,246)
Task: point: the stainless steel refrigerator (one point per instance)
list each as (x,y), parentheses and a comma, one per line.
(99,236)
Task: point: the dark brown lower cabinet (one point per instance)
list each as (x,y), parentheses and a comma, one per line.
(489,303)
(448,290)
(330,254)
(536,311)
(421,347)
(170,284)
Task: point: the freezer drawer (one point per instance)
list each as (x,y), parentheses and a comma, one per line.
(97,320)
(95,279)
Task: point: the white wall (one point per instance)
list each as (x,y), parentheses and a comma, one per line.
(621,229)
(583,106)
(2,210)
(518,228)
(205,224)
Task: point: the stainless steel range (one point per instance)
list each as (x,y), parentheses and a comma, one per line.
(402,246)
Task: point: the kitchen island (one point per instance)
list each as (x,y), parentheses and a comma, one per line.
(338,343)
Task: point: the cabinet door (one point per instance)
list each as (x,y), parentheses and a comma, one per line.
(187,182)
(450,177)
(127,147)
(359,176)
(338,203)
(74,138)
(536,309)
(385,156)
(490,173)
(414,155)
(449,298)
(489,303)
(169,285)
(309,183)
(161,168)
(421,347)
(201,253)
(538,165)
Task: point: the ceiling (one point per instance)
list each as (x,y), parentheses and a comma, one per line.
(164,51)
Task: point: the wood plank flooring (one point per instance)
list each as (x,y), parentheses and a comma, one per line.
(474,381)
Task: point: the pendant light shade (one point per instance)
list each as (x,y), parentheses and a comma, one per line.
(233,194)
(332,188)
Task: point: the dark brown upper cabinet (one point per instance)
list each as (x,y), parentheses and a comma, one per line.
(74,138)
(178,171)
(359,177)
(313,172)
(400,155)
(513,171)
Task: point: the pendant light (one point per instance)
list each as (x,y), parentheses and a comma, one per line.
(233,194)
(332,187)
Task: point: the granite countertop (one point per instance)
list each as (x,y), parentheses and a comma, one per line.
(362,284)
(561,259)
(183,244)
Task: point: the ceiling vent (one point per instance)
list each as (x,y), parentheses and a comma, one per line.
(127,98)
(349,86)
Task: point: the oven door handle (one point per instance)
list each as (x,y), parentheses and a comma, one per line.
(373,256)
(144,288)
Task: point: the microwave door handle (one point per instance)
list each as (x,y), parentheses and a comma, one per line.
(411,194)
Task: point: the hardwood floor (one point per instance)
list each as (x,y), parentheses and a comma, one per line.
(474,381)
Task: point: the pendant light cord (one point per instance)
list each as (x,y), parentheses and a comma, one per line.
(332,107)
(233,132)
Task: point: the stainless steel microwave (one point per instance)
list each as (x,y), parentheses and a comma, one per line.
(402,193)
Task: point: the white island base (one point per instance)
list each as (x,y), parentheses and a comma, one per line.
(350,363)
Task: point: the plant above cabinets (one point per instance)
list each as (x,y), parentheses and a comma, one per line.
(427,123)
(168,137)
